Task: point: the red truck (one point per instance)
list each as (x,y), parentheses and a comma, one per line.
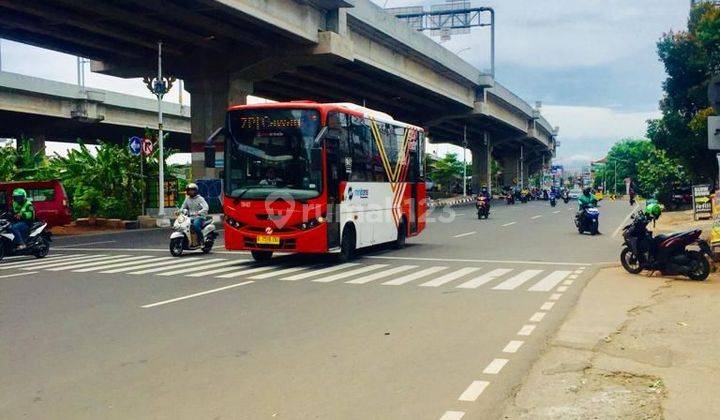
(48,197)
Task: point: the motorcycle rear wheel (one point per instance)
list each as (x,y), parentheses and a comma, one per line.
(208,247)
(630,261)
(42,248)
(701,266)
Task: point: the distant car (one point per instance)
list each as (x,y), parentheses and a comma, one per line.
(682,197)
(48,197)
(575,193)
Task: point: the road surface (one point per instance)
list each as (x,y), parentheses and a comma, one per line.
(110,326)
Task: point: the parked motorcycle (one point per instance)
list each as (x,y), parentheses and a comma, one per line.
(483,207)
(553,202)
(510,198)
(587,220)
(666,253)
(632,199)
(37,243)
(184,239)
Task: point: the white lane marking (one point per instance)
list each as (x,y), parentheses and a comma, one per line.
(537,317)
(150,250)
(246,272)
(495,366)
(452,415)
(517,280)
(18,274)
(562,289)
(382,274)
(380,257)
(180,263)
(313,273)
(240,265)
(547,306)
(65,261)
(550,281)
(624,222)
(555,296)
(130,261)
(279,272)
(508,224)
(526,330)
(569,209)
(201,267)
(556,212)
(106,260)
(581,268)
(567,282)
(513,346)
(33,260)
(484,278)
(414,276)
(450,277)
(155,263)
(350,273)
(537,217)
(88,243)
(464,234)
(573,276)
(460,214)
(177,299)
(473,391)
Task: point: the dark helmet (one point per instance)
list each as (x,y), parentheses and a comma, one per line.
(587,190)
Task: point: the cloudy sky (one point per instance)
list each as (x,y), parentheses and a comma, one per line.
(592,63)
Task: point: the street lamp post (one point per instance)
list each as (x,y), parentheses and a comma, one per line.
(159,86)
(464,161)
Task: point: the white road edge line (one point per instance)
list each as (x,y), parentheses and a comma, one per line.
(219,289)
(473,391)
(622,224)
(513,346)
(381,257)
(452,415)
(495,366)
(89,243)
(464,234)
(537,217)
(508,224)
(537,317)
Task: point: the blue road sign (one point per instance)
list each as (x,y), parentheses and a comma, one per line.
(135,145)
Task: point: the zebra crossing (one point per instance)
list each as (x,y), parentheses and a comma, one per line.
(360,272)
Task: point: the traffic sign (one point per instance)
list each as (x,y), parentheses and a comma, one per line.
(147,147)
(135,144)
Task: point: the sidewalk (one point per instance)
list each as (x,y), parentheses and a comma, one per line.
(634,347)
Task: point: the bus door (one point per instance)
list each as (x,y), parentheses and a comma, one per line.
(336,146)
(414,177)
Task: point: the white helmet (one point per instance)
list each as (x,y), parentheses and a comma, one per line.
(191,186)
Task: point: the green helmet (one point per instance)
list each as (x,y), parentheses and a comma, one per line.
(19,192)
(653,210)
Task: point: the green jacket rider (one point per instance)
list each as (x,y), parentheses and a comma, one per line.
(23,214)
(587,198)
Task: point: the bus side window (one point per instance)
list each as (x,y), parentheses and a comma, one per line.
(336,140)
(360,151)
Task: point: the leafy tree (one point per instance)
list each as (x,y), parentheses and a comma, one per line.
(658,174)
(624,155)
(446,171)
(8,162)
(690,58)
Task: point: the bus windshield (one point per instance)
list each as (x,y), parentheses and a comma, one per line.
(270,152)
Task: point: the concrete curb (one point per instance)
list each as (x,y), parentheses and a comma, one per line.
(453,202)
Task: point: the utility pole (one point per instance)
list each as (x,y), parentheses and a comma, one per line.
(464,161)
(488,162)
(522,167)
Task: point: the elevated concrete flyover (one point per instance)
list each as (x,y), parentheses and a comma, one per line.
(49,110)
(324,50)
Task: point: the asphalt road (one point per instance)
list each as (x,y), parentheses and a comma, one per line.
(110,326)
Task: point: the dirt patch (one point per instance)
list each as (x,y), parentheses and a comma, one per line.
(69,230)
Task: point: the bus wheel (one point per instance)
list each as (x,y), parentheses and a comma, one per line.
(261,256)
(401,236)
(347,246)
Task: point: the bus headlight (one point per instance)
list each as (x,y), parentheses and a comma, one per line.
(311,223)
(232,222)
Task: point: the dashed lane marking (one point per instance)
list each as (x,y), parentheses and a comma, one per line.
(513,346)
(465,234)
(526,330)
(473,391)
(555,296)
(495,366)
(537,317)
(206,292)
(508,224)
(452,415)
(547,306)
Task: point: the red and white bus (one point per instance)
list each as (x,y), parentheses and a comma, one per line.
(308,177)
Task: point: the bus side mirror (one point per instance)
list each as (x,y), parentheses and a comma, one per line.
(209,156)
(316,159)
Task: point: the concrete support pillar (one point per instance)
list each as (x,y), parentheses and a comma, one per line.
(510,170)
(210,98)
(481,165)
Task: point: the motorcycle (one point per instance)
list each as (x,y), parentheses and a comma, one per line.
(587,220)
(552,200)
(524,195)
(566,197)
(37,243)
(510,198)
(184,239)
(665,253)
(483,207)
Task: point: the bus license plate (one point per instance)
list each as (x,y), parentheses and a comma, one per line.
(268,240)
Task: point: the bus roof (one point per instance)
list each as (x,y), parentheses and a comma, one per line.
(350,108)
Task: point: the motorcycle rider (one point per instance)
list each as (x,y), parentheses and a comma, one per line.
(23,214)
(196,207)
(586,199)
